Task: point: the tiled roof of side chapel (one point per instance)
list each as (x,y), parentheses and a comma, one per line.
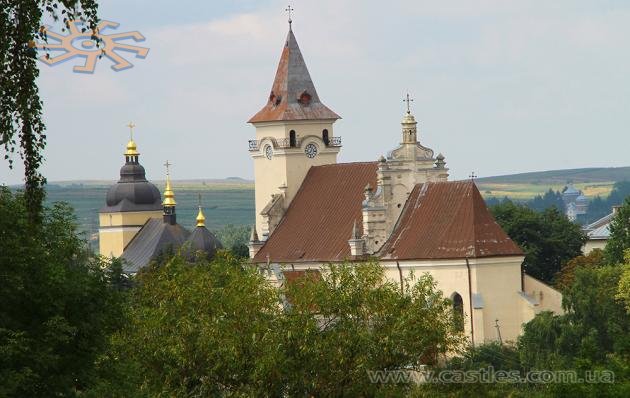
(293,95)
(447,220)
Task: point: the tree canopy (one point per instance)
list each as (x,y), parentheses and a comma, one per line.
(220,328)
(57,305)
(619,239)
(548,238)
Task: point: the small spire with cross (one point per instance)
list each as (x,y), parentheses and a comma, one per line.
(472,175)
(408,100)
(168,165)
(288,10)
(131,126)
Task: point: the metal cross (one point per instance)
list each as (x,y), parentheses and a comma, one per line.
(199,199)
(408,100)
(131,126)
(289,9)
(168,170)
(472,175)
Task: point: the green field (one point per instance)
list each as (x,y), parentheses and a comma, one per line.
(524,191)
(223,202)
(231,201)
(592,181)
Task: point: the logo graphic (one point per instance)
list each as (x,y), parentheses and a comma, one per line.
(82,42)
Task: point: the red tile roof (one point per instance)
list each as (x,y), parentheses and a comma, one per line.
(443,220)
(319,221)
(293,95)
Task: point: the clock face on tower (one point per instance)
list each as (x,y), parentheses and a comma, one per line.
(310,150)
(268,152)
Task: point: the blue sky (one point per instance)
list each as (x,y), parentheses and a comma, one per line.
(499,86)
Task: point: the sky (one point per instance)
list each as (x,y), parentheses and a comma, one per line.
(499,87)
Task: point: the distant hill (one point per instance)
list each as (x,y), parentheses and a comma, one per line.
(555,177)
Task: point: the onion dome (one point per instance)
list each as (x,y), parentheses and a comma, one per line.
(202,240)
(132,192)
(169,195)
(168,205)
(201,219)
(131,148)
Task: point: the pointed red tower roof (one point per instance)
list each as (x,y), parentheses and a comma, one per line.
(293,95)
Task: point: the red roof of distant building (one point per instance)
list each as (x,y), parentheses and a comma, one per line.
(443,220)
(319,221)
(293,95)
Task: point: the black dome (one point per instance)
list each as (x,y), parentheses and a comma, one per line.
(139,193)
(203,240)
(132,192)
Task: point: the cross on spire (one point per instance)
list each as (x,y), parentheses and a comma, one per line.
(288,10)
(131,126)
(199,200)
(408,100)
(168,165)
(472,175)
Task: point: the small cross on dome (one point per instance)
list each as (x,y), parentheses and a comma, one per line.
(131,126)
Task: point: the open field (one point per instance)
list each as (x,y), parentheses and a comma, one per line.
(224,202)
(524,191)
(231,200)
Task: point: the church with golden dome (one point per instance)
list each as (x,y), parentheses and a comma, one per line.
(138,226)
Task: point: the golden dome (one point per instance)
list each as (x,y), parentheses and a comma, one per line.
(131,149)
(201,219)
(169,195)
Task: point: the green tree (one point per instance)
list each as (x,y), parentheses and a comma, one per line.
(623,290)
(348,322)
(564,278)
(20,104)
(221,329)
(235,238)
(548,238)
(619,239)
(202,329)
(57,305)
(594,326)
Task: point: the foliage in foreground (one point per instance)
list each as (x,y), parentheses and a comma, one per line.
(220,328)
(57,306)
(593,335)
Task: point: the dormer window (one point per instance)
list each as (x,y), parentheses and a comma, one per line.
(305,98)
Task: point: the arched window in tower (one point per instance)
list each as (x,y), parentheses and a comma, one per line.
(458,311)
(325,137)
(292,139)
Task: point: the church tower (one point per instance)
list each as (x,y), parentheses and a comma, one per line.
(129,204)
(294,131)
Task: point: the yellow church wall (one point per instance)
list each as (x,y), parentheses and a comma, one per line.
(496,291)
(498,281)
(112,241)
(548,298)
(117,229)
(127,218)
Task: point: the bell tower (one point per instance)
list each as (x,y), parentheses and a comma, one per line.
(294,131)
(129,204)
